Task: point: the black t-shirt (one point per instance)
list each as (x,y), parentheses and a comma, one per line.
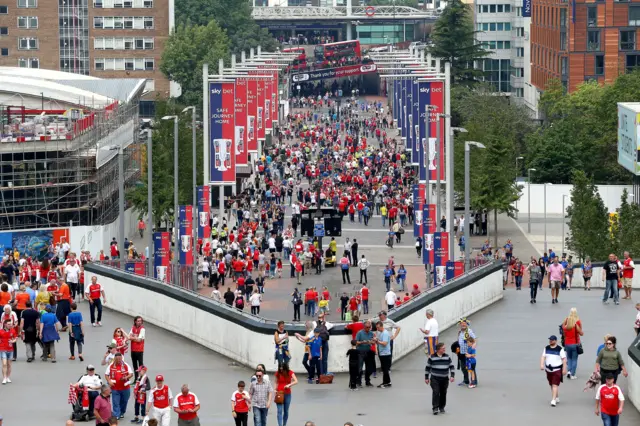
(229,297)
(611,269)
(30,316)
(344,300)
(354,356)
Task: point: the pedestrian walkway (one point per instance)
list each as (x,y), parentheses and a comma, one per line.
(511,336)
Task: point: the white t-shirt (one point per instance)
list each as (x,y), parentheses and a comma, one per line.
(272,243)
(73,273)
(91,382)
(255,299)
(205,266)
(431,326)
(390,297)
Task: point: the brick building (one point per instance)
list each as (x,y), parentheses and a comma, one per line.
(102,38)
(577,41)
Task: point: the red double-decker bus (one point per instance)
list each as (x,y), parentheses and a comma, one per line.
(329,51)
(300,62)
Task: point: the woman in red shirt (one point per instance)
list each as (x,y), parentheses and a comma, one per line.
(285,379)
(121,340)
(7,342)
(572,330)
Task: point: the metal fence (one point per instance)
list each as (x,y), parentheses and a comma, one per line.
(185,282)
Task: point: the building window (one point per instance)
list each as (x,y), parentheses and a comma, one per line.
(599,65)
(492,8)
(492,26)
(500,8)
(507,8)
(4,51)
(123,43)
(149,64)
(97,4)
(593,40)
(520,52)
(27,22)
(563,67)
(99,64)
(592,16)
(563,40)
(148,22)
(27,43)
(124,64)
(563,18)
(28,62)
(4,10)
(4,31)
(147,3)
(633,61)
(485,8)
(22,62)
(634,16)
(628,40)
(97,22)
(28,3)
(518,11)
(34,63)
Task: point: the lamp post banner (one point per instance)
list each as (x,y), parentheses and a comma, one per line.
(240,118)
(252,112)
(162,256)
(222,133)
(185,220)
(204,200)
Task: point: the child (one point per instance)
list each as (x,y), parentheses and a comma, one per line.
(398,302)
(323,306)
(353,365)
(140,394)
(279,268)
(471,362)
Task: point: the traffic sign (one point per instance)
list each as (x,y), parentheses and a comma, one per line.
(370,11)
(318,230)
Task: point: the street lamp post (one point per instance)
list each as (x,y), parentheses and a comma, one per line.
(176,214)
(563,221)
(529,201)
(150,199)
(545,216)
(467,197)
(517,173)
(450,200)
(194,209)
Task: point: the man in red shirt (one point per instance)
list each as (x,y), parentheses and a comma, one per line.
(119,376)
(94,293)
(609,401)
(310,302)
(187,405)
(364,291)
(159,405)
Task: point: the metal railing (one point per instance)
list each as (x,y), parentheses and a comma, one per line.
(145,269)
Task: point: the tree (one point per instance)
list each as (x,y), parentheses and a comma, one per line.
(589,233)
(626,227)
(163,165)
(501,127)
(233,16)
(187,48)
(455,41)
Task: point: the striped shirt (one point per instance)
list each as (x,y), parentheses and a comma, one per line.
(439,366)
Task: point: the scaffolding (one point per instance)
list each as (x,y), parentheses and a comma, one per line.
(62,182)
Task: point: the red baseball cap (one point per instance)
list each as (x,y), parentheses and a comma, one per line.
(159,378)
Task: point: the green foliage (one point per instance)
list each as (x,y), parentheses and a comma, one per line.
(589,233)
(233,16)
(580,132)
(163,164)
(188,47)
(454,40)
(409,3)
(626,228)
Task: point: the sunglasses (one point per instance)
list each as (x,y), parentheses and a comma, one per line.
(258,375)
(609,343)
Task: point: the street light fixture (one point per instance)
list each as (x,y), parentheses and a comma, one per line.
(176,223)
(545,215)
(449,194)
(150,253)
(517,173)
(529,200)
(467,196)
(195,203)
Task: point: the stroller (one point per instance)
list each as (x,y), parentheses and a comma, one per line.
(79,400)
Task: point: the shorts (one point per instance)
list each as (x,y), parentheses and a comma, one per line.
(554,377)
(555,284)
(626,282)
(430,345)
(8,355)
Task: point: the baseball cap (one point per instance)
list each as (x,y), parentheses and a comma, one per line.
(159,378)
(142,367)
(553,337)
(90,367)
(382,313)
(111,345)
(317,330)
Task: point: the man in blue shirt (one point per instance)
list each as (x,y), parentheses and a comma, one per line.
(383,340)
(315,351)
(388,273)
(365,338)
(564,264)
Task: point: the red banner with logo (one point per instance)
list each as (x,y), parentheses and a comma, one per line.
(242,154)
(252,113)
(261,89)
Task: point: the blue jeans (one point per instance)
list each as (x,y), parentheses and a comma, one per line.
(287,252)
(260,416)
(519,281)
(401,284)
(384,220)
(572,358)
(283,410)
(325,356)
(119,400)
(608,420)
(387,282)
(612,286)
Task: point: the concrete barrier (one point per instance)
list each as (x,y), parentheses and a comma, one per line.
(249,340)
(633,368)
(596,277)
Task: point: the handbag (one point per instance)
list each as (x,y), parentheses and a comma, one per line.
(579,347)
(279,399)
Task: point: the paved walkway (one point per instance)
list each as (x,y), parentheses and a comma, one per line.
(511,336)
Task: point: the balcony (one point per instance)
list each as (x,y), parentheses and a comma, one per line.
(517,82)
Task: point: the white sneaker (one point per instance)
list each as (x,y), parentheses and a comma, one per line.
(8,380)
(553,402)
(94,324)
(4,381)
(574,377)
(558,400)
(99,324)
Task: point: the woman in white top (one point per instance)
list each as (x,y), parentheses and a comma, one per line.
(255,300)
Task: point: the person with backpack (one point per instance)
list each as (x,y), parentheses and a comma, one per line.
(239,301)
(297,302)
